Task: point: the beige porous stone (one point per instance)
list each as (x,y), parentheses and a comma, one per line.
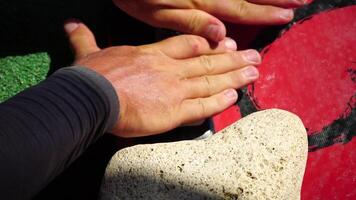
(262,156)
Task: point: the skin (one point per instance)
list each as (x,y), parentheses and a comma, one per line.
(204,17)
(160,87)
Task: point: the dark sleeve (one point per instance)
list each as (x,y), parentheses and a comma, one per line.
(45,128)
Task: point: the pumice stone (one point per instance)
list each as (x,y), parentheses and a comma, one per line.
(262,156)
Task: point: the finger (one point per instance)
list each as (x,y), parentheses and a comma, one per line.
(248,13)
(191,21)
(217,64)
(239,11)
(198,109)
(81,38)
(209,85)
(280,3)
(189,46)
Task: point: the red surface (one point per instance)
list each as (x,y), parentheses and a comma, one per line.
(310,77)
(305,72)
(331,173)
(226,118)
(244,35)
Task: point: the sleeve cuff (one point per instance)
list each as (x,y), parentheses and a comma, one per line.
(101,85)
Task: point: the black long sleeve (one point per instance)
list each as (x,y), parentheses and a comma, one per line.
(46,127)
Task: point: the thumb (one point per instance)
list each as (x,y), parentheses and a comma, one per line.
(81,38)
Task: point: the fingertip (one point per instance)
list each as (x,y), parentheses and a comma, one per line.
(251,73)
(230,44)
(215,32)
(71,25)
(80,37)
(230,96)
(286,15)
(252,56)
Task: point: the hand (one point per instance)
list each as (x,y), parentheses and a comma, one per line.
(202,17)
(167,84)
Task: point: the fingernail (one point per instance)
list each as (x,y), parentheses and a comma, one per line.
(213,32)
(70,26)
(286,14)
(251,72)
(230,44)
(231,95)
(252,56)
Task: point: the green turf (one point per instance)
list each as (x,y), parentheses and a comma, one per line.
(31,26)
(20,72)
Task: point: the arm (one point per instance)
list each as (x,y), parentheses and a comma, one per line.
(45,128)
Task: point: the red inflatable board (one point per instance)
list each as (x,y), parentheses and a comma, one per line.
(310,70)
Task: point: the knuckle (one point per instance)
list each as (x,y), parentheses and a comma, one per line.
(194,22)
(208,85)
(207,64)
(145,49)
(194,43)
(198,3)
(241,9)
(202,111)
(237,79)
(235,57)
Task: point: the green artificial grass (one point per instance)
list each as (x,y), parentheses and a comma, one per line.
(20,72)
